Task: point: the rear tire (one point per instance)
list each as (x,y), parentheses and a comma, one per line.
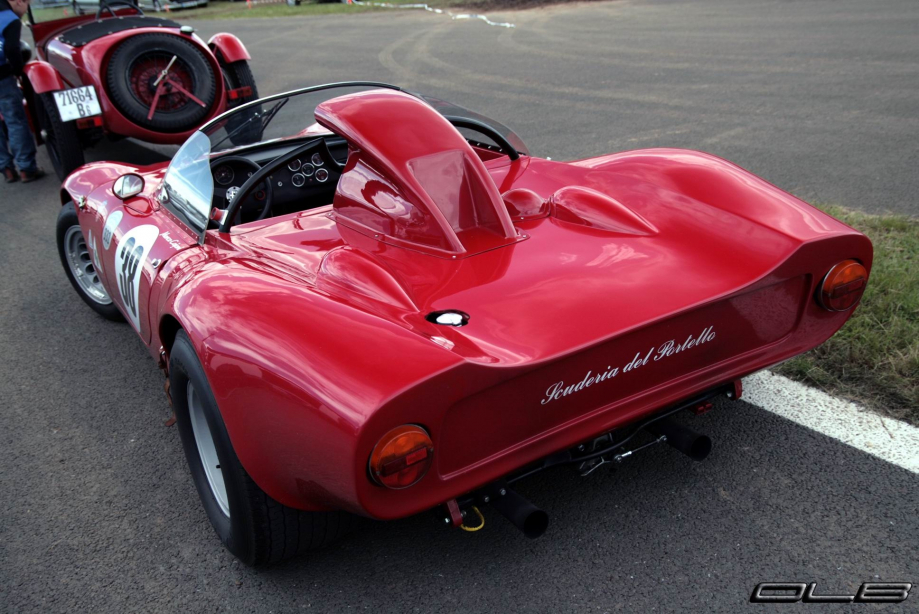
(79,266)
(238,74)
(62,139)
(258,530)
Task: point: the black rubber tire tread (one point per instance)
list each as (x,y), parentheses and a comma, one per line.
(238,74)
(119,87)
(63,143)
(260,530)
(65,219)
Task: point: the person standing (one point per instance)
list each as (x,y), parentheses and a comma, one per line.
(16,142)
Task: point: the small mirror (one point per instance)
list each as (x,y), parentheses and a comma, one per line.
(128,186)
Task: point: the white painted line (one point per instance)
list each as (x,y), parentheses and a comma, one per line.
(890,440)
(389,5)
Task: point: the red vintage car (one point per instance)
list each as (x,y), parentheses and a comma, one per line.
(117,72)
(397,308)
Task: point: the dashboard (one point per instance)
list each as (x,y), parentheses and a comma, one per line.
(304,182)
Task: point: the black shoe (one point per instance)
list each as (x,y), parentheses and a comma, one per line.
(33,176)
(10,175)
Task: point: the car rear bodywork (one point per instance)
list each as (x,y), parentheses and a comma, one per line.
(598,292)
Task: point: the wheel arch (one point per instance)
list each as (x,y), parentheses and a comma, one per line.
(169,328)
(229,47)
(43,77)
(66,197)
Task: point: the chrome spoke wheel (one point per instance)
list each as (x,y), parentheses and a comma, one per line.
(207,451)
(82,267)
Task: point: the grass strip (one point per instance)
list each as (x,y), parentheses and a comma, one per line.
(239,10)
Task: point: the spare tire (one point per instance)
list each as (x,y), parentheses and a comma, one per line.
(135,66)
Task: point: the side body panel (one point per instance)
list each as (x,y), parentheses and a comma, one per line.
(129,241)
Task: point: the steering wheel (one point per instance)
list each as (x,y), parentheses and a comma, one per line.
(235,195)
(108,5)
(262,175)
(483,128)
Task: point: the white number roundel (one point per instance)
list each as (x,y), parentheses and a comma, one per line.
(132,252)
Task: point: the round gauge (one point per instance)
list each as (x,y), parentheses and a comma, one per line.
(223,175)
(307,170)
(322,174)
(294,165)
(316,159)
(298,180)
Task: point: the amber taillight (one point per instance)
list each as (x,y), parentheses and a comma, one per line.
(402,457)
(843,286)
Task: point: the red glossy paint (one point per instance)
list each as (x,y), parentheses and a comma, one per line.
(63,66)
(606,289)
(43,77)
(431,194)
(231,49)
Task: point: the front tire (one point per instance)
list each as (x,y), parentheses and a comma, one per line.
(80,267)
(62,139)
(253,526)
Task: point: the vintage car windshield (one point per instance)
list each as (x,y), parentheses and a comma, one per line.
(290,116)
(189,182)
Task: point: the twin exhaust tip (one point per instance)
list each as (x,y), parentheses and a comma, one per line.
(533,521)
(690,443)
(522,514)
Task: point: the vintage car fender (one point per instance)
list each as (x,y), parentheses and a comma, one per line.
(231,48)
(715,182)
(43,77)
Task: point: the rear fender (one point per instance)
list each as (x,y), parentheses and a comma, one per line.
(230,48)
(28,102)
(38,78)
(296,375)
(43,77)
(714,182)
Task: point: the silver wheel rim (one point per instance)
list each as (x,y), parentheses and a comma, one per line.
(82,267)
(207,451)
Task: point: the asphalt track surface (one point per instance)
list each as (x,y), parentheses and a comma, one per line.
(98,512)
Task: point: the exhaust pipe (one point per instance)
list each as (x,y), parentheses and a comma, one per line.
(523,514)
(691,444)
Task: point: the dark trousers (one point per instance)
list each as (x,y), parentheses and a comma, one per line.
(16,142)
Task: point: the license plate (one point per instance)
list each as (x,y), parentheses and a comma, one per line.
(77,103)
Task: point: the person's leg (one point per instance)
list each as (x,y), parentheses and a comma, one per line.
(20,138)
(6,160)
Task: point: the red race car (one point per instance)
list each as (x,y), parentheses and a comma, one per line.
(119,73)
(397,308)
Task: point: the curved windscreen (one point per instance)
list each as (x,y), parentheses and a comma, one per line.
(189,184)
(291,115)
